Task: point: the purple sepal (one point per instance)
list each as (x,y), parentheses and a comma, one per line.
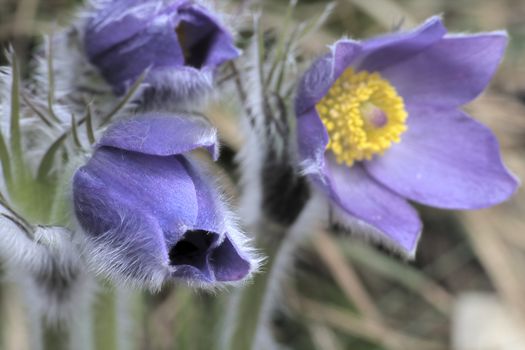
(323,73)
(358,195)
(162,135)
(446,160)
(181,42)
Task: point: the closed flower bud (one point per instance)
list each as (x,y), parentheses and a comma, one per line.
(178,45)
(150,213)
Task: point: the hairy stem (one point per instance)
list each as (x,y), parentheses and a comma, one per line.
(246,305)
(56,338)
(250,314)
(105,321)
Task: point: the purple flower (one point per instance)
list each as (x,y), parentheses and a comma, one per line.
(379,124)
(151,214)
(180,43)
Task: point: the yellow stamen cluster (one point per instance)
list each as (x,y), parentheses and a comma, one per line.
(363,115)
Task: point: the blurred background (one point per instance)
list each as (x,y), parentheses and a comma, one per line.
(466,288)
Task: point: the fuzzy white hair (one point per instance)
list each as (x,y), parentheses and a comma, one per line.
(52,276)
(251,156)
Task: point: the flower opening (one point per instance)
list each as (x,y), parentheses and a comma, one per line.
(363,115)
(196,43)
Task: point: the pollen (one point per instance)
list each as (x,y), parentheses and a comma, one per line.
(364,116)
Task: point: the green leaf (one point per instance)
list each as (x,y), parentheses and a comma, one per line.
(74,131)
(51,81)
(16,142)
(131,93)
(47,161)
(15,216)
(89,125)
(280,51)
(4,159)
(38,112)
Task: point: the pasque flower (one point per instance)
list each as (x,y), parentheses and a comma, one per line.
(179,43)
(150,213)
(379,125)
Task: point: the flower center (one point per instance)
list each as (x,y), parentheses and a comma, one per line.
(363,115)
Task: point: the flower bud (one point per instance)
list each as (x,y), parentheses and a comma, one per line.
(149,211)
(179,45)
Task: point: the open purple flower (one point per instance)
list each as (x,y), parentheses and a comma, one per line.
(149,212)
(180,43)
(379,124)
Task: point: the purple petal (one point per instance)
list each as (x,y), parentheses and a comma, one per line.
(450,73)
(323,73)
(384,51)
(124,240)
(149,41)
(159,187)
(445,159)
(314,84)
(207,253)
(199,257)
(162,135)
(111,25)
(225,261)
(344,53)
(210,213)
(362,197)
(228,264)
(312,139)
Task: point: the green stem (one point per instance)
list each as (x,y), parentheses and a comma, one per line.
(248,320)
(106,321)
(2,307)
(128,311)
(56,338)
(246,305)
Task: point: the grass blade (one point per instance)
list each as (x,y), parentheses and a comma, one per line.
(345,276)
(404,274)
(340,319)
